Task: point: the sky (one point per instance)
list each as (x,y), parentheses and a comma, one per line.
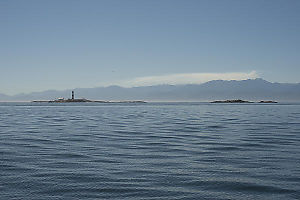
(63,44)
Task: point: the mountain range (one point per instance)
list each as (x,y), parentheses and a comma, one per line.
(251,89)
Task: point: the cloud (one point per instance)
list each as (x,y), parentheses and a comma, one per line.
(186,78)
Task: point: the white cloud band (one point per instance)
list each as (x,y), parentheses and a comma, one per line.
(187,78)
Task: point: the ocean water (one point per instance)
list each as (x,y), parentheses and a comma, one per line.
(149,151)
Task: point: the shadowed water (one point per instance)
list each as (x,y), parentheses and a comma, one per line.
(149,151)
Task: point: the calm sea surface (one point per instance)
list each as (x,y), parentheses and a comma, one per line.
(149,151)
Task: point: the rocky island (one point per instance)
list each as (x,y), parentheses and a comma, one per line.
(232,101)
(73,100)
(268,102)
(242,101)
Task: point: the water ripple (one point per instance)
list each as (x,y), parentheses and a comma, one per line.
(149,151)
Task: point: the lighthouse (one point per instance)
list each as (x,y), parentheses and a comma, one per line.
(72,95)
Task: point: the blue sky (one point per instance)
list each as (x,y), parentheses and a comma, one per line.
(60,44)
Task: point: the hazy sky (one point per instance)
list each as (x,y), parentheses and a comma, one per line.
(87,43)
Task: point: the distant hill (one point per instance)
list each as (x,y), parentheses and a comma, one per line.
(251,89)
(4,97)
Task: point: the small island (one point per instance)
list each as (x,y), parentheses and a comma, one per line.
(232,101)
(268,102)
(242,101)
(73,100)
